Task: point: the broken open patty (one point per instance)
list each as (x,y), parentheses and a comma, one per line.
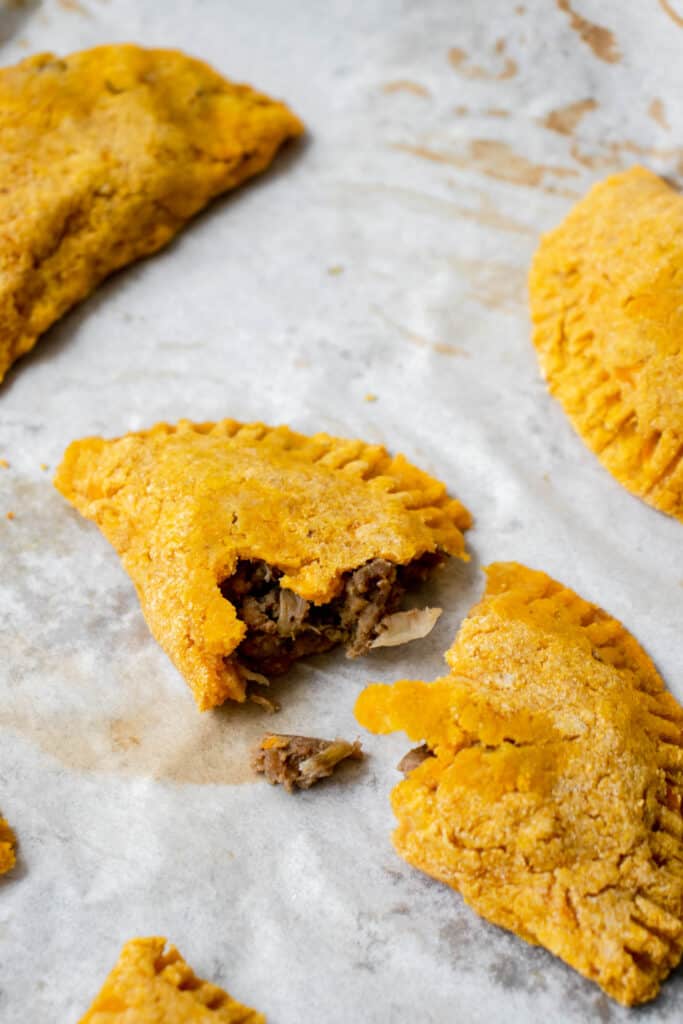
(283,627)
(298,762)
(184,503)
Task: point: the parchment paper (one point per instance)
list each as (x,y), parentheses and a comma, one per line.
(386,256)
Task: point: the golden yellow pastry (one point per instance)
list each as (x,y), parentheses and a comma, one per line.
(606,304)
(104,155)
(252,546)
(549,792)
(7,844)
(153,985)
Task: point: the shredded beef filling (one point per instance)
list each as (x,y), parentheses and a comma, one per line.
(282,627)
(413,758)
(301,761)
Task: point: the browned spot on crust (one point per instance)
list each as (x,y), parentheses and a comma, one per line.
(495,159)
(460,61)
(496,112)
(405,85)
(461,111)
(668,9)
(657,113)
(600,39)
(564,120)
(499,286)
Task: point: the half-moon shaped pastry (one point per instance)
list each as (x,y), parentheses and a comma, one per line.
(252,546)
(153,985)
(7,843)
(606,293)
(103,156)
(549,792)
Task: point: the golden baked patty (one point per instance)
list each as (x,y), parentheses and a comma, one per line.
(103,156)
(607,305)
(549,792)
(251,546)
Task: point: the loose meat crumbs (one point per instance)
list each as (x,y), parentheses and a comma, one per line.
(301,761)
(413,758)
(283,627)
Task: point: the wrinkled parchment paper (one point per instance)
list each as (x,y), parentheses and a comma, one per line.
(384,257)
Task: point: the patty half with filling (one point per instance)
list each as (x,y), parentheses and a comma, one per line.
(251,546)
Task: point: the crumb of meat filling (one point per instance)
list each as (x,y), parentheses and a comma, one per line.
(298,762)
(413,758)
(283,627)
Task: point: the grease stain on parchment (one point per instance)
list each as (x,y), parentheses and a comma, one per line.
(600,39)
(145,729)
(499,112)
(485,212)
(406,85)
(617,155)
(564,120)
(494,285)
(460,60)
(75,7)
(674,15)
(658,113)
(441,347)
(496,159)
(173,743)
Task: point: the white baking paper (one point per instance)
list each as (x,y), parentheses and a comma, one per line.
(386,256)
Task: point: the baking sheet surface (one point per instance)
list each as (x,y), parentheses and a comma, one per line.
(372,285)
